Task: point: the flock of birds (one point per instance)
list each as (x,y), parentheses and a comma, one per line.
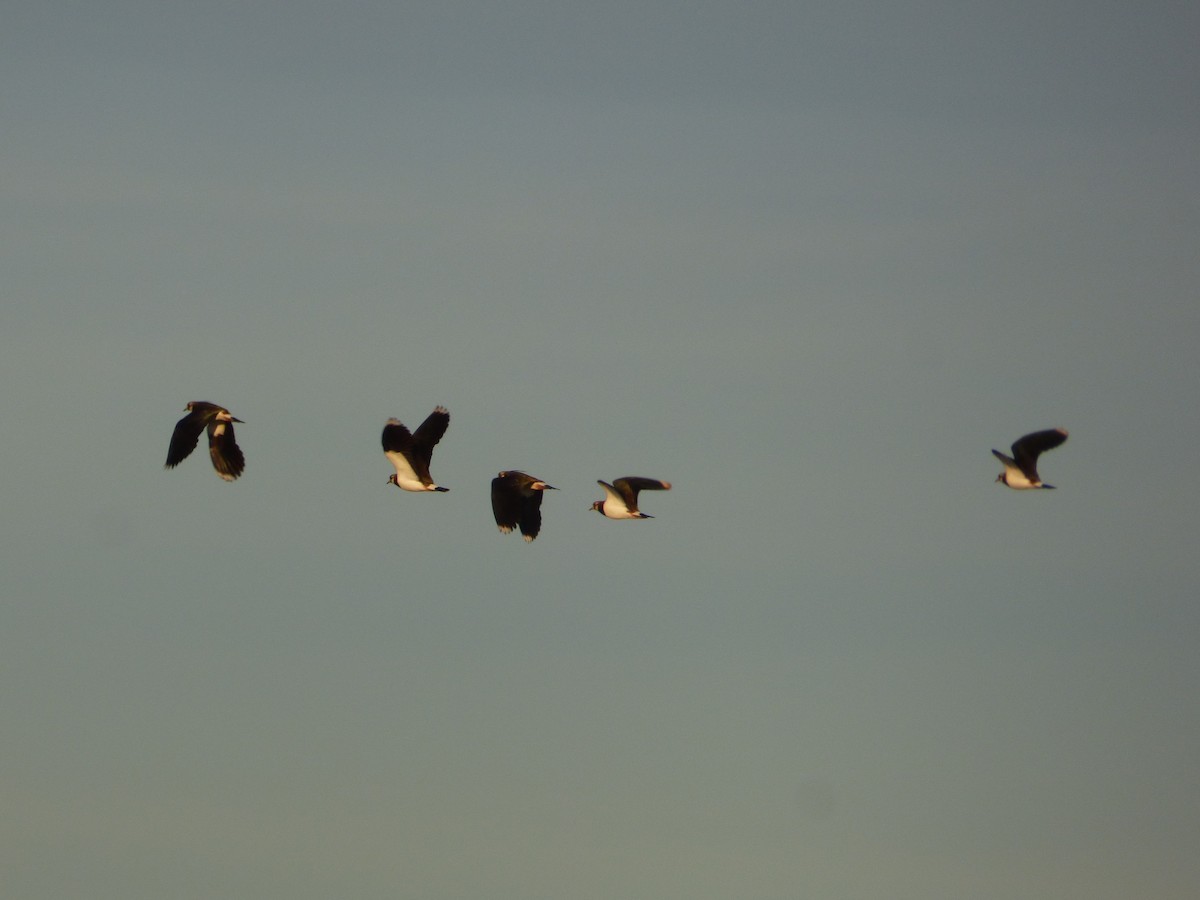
(516,496)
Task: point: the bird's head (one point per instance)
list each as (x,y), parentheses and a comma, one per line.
(394,479)
(598,506)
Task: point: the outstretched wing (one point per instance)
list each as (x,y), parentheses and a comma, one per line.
(506,502)
(226,455)
(630,485)
(531,515)
(431,431)
(184,438)
(1027,449)
(396,438)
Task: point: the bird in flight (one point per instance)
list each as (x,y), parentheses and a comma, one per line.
(226,455)
(1020,469)
(620,497)
(517,502)
(410,452)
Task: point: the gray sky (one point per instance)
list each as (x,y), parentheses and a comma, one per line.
(809,262)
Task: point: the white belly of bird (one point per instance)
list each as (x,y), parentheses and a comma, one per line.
(1015,478)
(614,504)
(406,478)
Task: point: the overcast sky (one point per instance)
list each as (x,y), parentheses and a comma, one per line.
(810,262)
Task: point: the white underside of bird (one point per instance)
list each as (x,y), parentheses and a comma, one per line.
(1014,477)
(406,478)
(614,505)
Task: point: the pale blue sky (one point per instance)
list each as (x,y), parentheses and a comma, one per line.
(809,262)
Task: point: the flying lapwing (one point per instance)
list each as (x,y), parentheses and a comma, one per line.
(410,453)
(517,501)
(620,497)
(1020,470)
(226,455)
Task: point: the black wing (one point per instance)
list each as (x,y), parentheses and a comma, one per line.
(185,437)
(1027,449)
(226,455)
(531,515)
(431,431)
(506,502)
(631,484)
(396,438)
(516,504)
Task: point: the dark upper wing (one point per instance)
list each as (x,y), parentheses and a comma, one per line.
(396,438)
(531,515)
(207,410)
(431,431)
(506,502)
(515,504)
(631,484)
(226,455)
(1027,449)
(185,437)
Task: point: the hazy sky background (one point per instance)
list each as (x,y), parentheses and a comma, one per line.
(809,262)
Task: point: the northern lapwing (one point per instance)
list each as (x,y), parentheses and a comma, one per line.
(1020,470)
(410,453)
(620,497)
(226,455)
(517,501)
